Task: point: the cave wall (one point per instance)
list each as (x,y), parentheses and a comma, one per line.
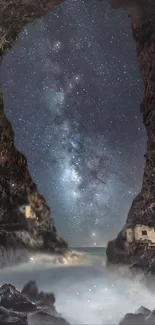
(142,211)
(18,191)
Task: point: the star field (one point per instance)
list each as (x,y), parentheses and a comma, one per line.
(72,91)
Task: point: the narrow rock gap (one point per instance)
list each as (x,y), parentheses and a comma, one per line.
(45,66)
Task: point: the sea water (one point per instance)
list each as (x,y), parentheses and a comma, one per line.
(86,291)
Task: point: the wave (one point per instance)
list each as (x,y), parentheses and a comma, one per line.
(71,258)
(86,291)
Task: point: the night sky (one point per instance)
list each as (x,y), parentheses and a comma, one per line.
(72,91)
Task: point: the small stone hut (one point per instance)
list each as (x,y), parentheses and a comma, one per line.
(27,211)
(141,233)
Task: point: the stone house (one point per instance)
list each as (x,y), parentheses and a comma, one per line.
(27,211)
(141,234)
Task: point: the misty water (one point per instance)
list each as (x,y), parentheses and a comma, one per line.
(86,292)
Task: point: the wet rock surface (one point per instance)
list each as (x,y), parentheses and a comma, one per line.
(30,306)
(11,298)
(139,252)
(41,298)
(12,318)
(33,307)
(25,219)
(140,317)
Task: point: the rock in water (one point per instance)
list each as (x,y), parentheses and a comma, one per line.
(11,298)
(41,298)
(136,241)
(140,317)
(30,289)
(150,319)
(17,309)
(42,317)
(133,319)
(144,311)
(25,218)
(12,318)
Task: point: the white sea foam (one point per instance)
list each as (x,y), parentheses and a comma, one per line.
(86,291)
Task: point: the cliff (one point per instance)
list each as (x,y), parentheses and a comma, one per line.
(125,249)
(25,220)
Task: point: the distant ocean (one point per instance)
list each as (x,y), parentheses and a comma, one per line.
(91,250)
(95,254)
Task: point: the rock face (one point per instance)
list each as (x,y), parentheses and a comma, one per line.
(14,14)
(25,221)
(142,211)
(28,306)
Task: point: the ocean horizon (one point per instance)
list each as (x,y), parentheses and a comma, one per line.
(97,250)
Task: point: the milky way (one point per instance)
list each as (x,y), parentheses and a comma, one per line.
(72,91)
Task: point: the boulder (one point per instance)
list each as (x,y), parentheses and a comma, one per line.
(150,319)
(41,298)
(8,317)
(143,310)
(41,317)
(11,298)
(140,317)
(133,319)
(28,307)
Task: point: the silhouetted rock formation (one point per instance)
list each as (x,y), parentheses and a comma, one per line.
(142,212)
(140,317)
(25,221)
(42,299)
(28,307)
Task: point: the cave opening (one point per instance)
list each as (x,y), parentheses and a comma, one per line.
(72,92)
